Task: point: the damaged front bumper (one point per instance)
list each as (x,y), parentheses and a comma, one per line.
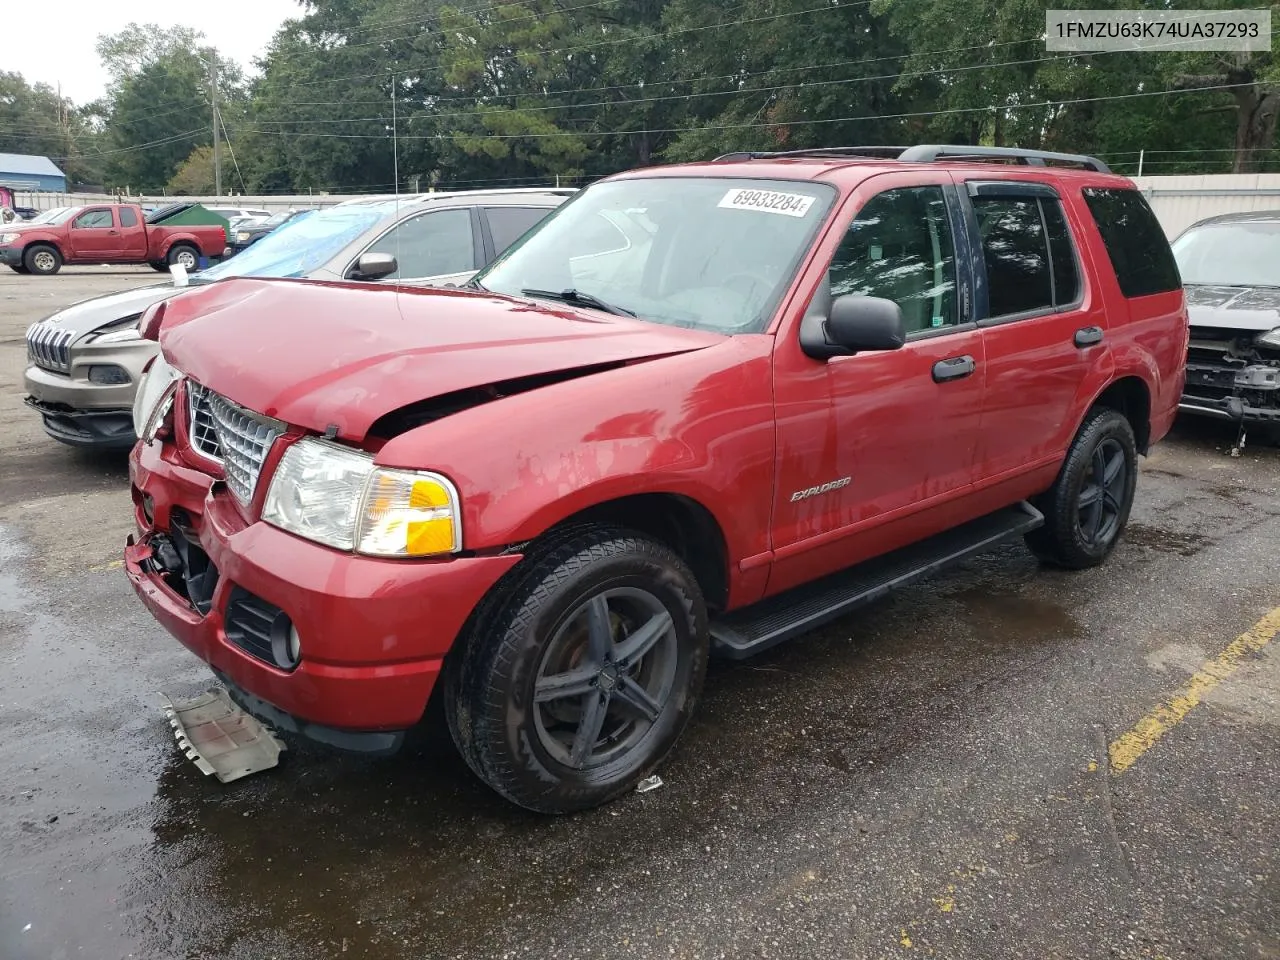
(1240,393)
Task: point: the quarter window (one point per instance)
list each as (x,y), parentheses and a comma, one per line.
(1026,246)
(1136,243)
(93,219)
(900,247)
(430,245)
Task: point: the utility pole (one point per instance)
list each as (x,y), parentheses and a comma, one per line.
(217,152)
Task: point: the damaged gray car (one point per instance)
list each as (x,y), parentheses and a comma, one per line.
(1230,266)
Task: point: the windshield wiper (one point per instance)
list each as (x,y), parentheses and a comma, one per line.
(579,298)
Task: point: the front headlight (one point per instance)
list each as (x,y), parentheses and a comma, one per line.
(336,496)
(242,236)
(123,330)
(1269,339)
(8,237)
(154,399)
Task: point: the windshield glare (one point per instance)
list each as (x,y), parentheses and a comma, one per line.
(56,215)
(1230,254)
(707,253)
(302,245)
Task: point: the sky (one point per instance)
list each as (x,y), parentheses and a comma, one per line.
(240,29)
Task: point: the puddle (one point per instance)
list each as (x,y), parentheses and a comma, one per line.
(1179,542)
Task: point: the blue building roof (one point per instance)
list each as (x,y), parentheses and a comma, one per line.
(27,165)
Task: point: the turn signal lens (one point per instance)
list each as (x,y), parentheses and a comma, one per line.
(409,514)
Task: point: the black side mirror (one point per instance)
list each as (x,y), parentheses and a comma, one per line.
(850,324)
(373,266)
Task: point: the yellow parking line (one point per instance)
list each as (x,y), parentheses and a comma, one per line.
(109,565)
(1143,735)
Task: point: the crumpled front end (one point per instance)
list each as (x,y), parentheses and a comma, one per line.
(1234,375)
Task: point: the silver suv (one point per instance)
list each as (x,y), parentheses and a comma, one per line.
(84,362)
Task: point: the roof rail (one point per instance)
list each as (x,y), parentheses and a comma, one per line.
(886,153)
(930,153)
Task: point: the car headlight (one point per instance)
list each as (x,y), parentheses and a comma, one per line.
(9,237)
(242,236)
(121,331)
(1269,339)
(154,399)
(336,496)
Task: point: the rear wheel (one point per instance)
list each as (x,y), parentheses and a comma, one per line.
(42,259)
(184,255)
(1088,506)
(578,676)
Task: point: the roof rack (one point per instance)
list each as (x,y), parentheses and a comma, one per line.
(931,153)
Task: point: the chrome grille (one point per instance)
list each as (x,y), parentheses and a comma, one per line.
(227,433)
(49,347)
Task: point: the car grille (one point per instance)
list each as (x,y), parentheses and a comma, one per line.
(49,347)
(230,435)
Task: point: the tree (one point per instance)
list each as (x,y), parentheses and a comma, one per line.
(34,121)
(195,177)
(157,107)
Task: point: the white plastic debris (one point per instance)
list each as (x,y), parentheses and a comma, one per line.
(648,784)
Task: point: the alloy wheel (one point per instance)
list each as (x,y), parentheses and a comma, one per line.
(1101,501)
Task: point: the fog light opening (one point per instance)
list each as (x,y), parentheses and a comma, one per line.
(286,645)
(109,374)
(294,648)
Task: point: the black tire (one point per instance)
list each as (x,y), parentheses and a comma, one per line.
(42,259)
(535,628)
(185,254)
(17,268)
(1086,509)
(158,265)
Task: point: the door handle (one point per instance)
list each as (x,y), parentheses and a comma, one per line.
(953,368)
(1087,336)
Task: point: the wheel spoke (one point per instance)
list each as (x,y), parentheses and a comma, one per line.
(1094,523)
(599,631)
(590,724)
(635,699)
(1112,468)
(1090,495)
(1111,501)
(630,650)
(560,686)
(1099,466)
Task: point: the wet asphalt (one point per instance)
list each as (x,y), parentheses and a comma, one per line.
(928,777)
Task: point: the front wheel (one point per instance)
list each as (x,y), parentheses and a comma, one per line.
(158,265)
(42,259)
(1086,509)
(577,678)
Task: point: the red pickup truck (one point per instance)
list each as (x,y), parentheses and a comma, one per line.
(107,233)
(699,409)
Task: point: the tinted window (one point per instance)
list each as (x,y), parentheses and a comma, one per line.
(1016,253)
(93,219)
(430,244)
(1134,240)
(1062,254)
(899,247)
(128,218)
(509,224)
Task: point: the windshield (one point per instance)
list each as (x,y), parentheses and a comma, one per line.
(1242,254)
(707,253)
(56,215)
(302,245)
(278,219)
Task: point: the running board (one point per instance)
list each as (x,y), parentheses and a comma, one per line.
(750,630)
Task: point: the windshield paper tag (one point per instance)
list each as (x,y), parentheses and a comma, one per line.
(767,201)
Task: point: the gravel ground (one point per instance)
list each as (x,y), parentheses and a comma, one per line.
(927,777)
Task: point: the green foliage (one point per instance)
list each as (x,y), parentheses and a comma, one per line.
(520,92)
(34,121)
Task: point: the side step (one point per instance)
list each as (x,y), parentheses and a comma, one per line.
(746,632)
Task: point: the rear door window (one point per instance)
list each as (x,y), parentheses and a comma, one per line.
(1030,260)
(509,224)
(1135,241)
(128,218)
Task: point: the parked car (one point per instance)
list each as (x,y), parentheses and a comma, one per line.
(799,381)
(108,233)
(27,213)
(233,214)
(83,362)
(247,234)
(1230,266)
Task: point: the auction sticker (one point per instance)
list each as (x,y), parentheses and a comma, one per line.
(767,201)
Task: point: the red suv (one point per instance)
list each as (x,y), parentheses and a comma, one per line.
(699,409)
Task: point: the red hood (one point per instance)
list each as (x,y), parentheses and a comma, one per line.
(315,354)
